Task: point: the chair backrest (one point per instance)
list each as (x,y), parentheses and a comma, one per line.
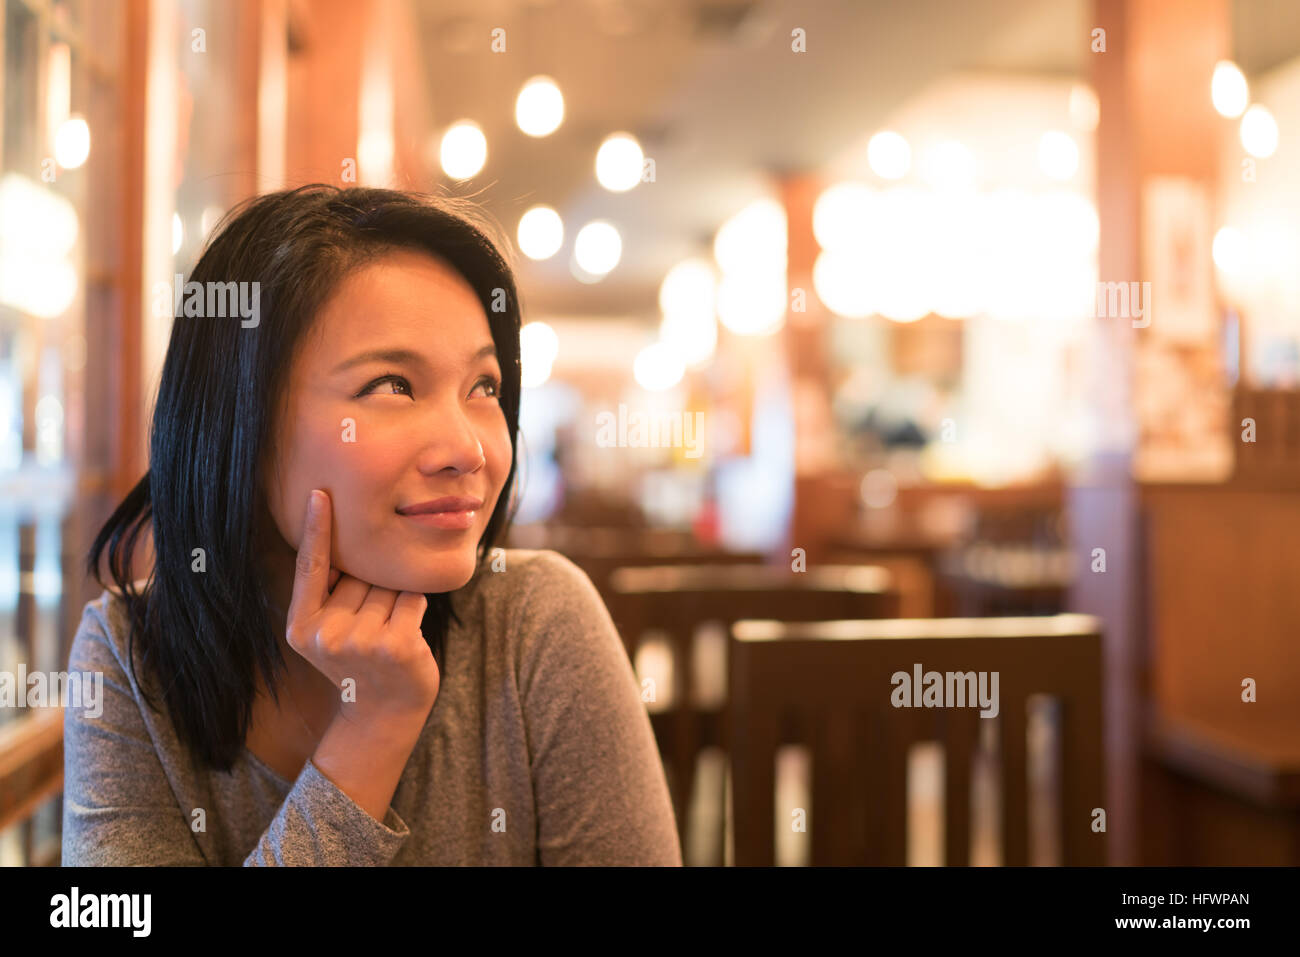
(675,600)
(601,565)
(832,687)
(1273,457)
(600,550)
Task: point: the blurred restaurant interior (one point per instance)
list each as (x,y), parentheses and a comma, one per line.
(857,334)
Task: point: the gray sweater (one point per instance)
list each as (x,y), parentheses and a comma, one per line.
(537,751)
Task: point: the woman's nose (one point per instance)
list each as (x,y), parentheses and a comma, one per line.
(454,444)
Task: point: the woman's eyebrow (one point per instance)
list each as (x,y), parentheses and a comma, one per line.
(407,356)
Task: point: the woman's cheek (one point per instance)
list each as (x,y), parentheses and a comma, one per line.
(497,445)
(362,475)
(334,458)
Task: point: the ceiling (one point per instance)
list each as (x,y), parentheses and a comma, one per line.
(1265,34)
(717,98)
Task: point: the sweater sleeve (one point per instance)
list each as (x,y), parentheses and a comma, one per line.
(602,797)
(319,825)
(120,808)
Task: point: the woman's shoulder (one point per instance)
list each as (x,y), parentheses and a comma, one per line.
(527,592)
(102,632)
(538,572)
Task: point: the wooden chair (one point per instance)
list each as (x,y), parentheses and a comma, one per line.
(600,551)
(31,771)
(600,568)
(676,600)
(1272,458)
(828,686)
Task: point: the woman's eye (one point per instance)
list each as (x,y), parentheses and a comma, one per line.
(394,379)
(491,383)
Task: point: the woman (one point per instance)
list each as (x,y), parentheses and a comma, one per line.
(330,662)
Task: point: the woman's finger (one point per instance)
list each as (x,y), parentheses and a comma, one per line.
(348,595)
(408,610)
(311,570)
(378,605)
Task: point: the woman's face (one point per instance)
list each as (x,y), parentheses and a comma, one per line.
(383,433)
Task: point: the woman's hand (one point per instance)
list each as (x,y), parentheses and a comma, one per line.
(347,628)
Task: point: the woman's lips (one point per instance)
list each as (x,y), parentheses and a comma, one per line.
(458,520)
(453,512)
(448,503)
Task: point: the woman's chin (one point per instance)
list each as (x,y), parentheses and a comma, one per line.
(449,572)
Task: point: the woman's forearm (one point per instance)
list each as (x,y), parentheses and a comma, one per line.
(365,758)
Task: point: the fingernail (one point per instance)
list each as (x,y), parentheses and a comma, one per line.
(317,498)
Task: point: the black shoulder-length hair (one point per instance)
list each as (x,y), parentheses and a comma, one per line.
(202,635)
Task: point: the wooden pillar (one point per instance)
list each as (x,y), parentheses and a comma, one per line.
(353,75)
(272,92)
(324,84)
(132,456)
(806,346)
(1153,82)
